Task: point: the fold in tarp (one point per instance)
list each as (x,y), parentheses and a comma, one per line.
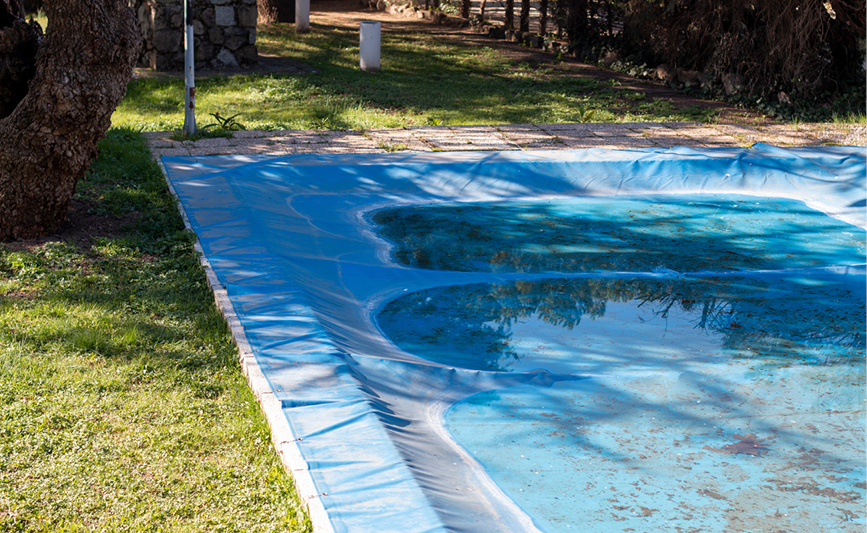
(308,273)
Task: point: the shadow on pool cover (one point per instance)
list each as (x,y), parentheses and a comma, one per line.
(473,342)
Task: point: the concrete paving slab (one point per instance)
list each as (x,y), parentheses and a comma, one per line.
(508,129)
(742,135)
(747,136)
(790,140)
(542,146)
(557,128)
(352,141)
(703,133)
(258,146)
(429,130)
(531,141)
(341,149)
(654,125)
(789,135)
(526,134)
(217,150)
(391,140)
(467,130)
(310,148)
(310,138)
(626,143)
(603,138)
(151,135)
(208,143)
(252,134)
(783,135)
(667,138)
(620,131)
(466,140)
(823,133)
(170,152)
(609,142)
(165,143)
(510,137)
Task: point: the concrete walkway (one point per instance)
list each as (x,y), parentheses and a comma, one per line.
(512,137)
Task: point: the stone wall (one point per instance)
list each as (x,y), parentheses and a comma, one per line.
(225,33)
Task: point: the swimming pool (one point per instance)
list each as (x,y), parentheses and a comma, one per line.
(551,341)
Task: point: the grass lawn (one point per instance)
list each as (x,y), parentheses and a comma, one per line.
(122,405)
(425,80)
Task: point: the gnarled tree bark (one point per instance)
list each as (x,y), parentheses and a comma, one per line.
(48,141)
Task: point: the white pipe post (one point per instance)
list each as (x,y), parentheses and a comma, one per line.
(302,16)
(368,46)
(189,72)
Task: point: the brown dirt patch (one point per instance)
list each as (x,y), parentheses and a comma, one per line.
(81,227)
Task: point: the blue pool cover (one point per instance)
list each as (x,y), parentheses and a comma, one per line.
(591,340)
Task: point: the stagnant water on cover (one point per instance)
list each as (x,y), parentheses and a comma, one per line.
(720,369)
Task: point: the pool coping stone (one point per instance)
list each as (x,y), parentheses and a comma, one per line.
(510,137)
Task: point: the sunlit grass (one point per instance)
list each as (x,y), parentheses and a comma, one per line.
(122,405)
(424,80)
(852,118)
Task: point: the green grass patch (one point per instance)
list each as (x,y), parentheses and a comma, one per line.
(425,79)
(122,405)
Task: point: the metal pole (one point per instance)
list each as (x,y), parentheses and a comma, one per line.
(189,72)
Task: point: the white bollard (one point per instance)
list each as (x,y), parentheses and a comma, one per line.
(369,46)
(302,16)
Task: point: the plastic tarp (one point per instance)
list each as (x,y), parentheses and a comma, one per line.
(405,433)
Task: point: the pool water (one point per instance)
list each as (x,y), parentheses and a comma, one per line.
(708,350)
(686,233)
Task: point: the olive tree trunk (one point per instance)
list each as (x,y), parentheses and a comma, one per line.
(49,139)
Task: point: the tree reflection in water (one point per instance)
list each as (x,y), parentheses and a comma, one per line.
(778,320)
(688,233)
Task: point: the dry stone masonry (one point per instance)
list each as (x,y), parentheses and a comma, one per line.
(225,33)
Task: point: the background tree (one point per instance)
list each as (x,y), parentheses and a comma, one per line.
(804,48)
(524,23)
(271,11)
(576,20)
(49,138)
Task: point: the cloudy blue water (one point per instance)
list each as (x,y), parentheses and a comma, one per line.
(729,399)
